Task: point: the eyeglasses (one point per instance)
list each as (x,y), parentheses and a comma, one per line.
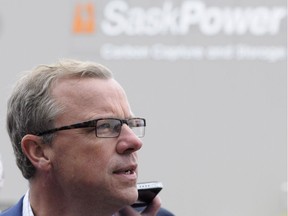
(106,127)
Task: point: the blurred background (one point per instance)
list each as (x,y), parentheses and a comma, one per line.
(210,77)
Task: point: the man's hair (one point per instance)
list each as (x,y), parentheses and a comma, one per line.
(32,109)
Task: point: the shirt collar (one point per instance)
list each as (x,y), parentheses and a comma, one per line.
(27,210)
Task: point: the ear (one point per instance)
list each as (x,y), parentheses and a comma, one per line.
(35,150)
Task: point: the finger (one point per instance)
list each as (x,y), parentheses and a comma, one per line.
(152,208)
(128,211)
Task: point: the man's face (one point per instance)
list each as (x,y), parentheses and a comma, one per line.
(102,170)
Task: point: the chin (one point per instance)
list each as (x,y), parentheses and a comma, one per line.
(130,196)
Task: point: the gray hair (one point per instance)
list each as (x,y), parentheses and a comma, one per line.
(32,109)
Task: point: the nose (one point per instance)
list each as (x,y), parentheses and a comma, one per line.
(128,142)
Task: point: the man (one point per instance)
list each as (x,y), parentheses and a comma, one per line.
(76,140)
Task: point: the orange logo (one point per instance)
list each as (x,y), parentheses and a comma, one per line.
(84,19)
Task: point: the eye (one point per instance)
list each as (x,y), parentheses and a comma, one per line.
(104,126)
(108,126)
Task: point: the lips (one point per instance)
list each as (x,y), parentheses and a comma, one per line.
(127,170)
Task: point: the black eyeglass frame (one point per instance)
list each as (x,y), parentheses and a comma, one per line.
(93,123)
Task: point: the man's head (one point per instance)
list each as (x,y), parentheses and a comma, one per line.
(32,108)
(80,161)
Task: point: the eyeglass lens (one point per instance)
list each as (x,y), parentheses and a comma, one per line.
(112,127)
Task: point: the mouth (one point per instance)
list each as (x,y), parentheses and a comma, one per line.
(126,171)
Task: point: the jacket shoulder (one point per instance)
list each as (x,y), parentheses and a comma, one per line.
(15,210)
(164,212)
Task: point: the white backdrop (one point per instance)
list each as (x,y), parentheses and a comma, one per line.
(209,76)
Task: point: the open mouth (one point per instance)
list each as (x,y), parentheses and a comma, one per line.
(126,171)
(129,172)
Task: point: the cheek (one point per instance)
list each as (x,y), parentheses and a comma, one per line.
(91,158)
(85,158)
(95,160)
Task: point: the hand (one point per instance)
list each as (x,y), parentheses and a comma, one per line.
(150,210)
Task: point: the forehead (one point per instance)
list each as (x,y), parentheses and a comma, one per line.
(84,98)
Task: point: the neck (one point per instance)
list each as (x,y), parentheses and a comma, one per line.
(48,199)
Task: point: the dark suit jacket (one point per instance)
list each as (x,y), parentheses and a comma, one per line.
(16,210)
